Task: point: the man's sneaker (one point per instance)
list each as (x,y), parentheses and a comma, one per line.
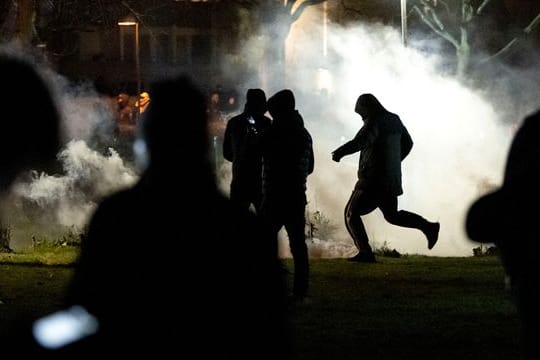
(363,257)
(432,234)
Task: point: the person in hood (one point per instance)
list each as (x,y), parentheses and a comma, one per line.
(287,161)
(507,218)
(383,143)
(155,282)
(242,146)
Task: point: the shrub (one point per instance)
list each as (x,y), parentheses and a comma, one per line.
(483,250)
(71,238)
(384,250)
(5,238)
(319,226)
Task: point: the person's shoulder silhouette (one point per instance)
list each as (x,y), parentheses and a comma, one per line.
(511,207)
(507,217)
(30,134)
(170,265)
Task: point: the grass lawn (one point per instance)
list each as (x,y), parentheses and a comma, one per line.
(413,307)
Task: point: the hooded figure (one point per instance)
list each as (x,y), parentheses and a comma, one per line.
(288,153)
(287,161)
(383,142)
(157,282)
(242,147)
(508,218)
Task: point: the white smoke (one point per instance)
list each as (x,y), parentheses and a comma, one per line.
(87,115)
(47,206)
(55,202)
(460,137)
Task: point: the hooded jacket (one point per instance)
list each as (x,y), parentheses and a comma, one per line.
(287,152)
(383,143)
(241,144)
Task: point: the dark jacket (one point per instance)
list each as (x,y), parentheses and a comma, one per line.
(383,143)
(161,285)
(157,280)
(241,146)
(287,159)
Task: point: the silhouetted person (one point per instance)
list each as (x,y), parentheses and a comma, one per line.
(241,146)
(383,143)
(126,125)
(287,162)
(157,281)
(31,131)
(508,217)
(126,120)
(216,128)
(30,140)
(143,102)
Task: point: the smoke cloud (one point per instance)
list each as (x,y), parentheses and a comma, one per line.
(47,206)
(461,133)
(461,138)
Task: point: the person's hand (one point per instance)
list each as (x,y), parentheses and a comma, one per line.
(336,156)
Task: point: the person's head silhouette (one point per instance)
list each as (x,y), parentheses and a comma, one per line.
(368,106)
(255,101)
(174,127)
(31,131)
(281,103)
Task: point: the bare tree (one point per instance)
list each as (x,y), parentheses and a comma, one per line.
(459,23)
(457,28)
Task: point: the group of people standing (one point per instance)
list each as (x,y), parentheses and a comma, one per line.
(140,273)
(127,111)
(271,160)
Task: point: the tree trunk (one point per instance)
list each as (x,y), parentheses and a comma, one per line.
(463,53)
(24,23)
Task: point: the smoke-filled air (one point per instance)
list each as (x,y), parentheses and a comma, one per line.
(461,139)
(461,134)
(56,207)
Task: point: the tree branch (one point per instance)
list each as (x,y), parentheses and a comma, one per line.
(430,10)
(512,43)
(444,34)
(482,6)
(289,5)
(300,9)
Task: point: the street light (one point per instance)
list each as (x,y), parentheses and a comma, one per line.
(133,22)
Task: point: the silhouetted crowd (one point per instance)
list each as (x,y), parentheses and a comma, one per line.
(174,267)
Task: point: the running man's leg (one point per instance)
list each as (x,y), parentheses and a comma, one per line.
(388,206)
(360,203)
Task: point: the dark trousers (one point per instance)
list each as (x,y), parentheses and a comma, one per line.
(363,202)
(244,195)
(291,216)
